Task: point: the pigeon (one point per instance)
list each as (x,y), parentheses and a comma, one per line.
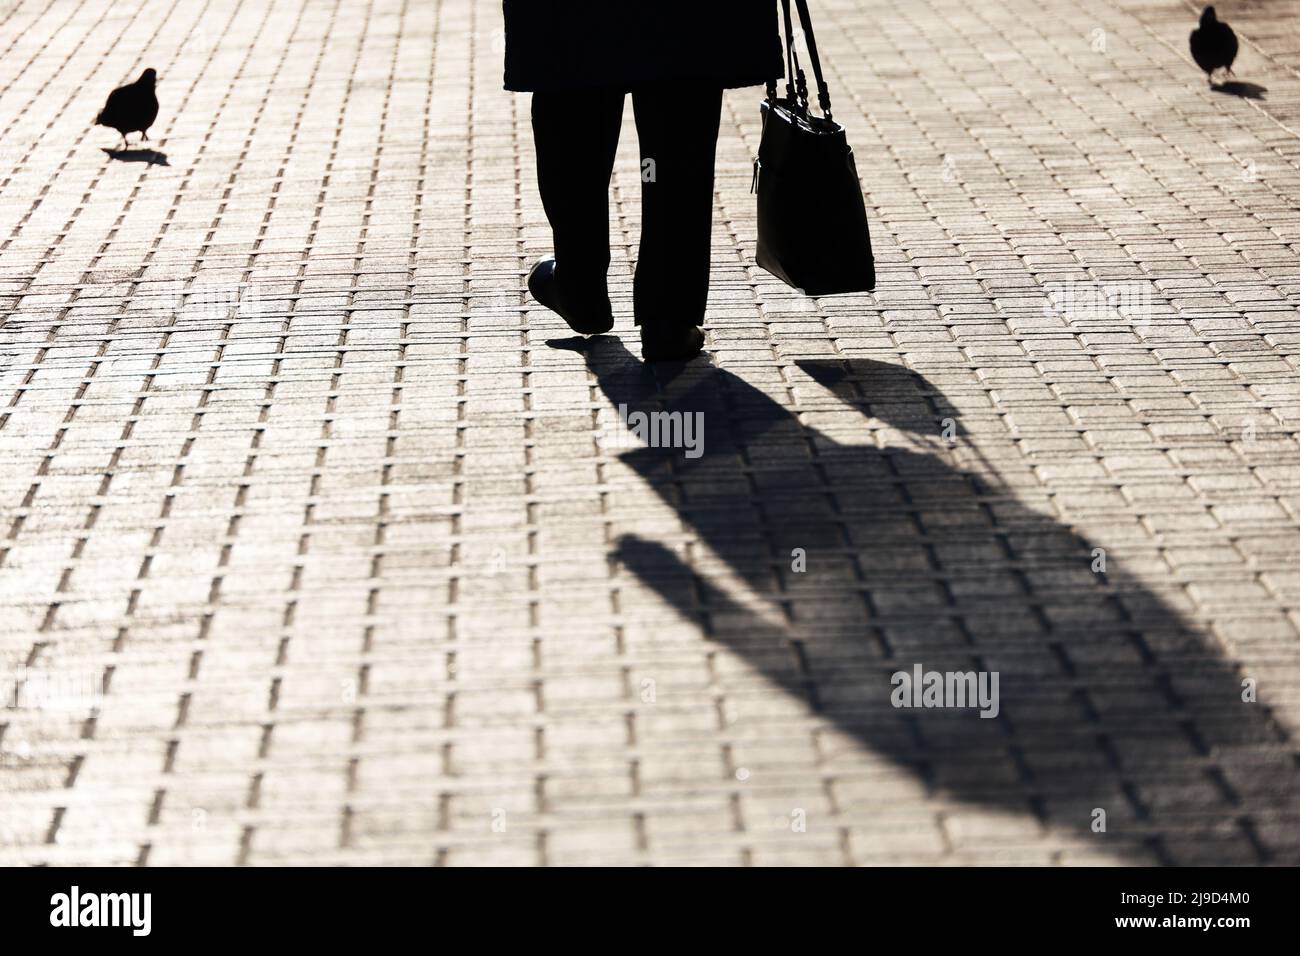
(131,108)
(1214,45)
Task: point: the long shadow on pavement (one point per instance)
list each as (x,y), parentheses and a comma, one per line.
(1108,698)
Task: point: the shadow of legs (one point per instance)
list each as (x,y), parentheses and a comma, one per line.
(1108,698)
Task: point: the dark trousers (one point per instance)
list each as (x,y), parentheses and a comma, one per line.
(576,134)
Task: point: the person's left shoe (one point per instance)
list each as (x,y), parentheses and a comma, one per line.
(591,315)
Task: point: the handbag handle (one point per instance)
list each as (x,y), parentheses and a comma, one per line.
(796,84)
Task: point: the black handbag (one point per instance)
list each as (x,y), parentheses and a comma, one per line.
(812,222)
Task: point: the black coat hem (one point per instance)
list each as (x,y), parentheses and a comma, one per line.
(618,44)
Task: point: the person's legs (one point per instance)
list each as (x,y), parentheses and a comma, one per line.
(678,129)
(576,137)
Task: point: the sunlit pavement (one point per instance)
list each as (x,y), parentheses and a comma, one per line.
(313,550)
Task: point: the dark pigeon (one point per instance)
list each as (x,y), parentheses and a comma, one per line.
(1214,45)
(131,108)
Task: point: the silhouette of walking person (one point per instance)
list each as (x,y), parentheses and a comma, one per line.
(580,59)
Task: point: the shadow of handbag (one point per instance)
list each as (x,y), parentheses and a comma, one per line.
(812,222)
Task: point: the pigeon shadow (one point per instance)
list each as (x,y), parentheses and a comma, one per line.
(1248,91)
(151,156)
(1108,699)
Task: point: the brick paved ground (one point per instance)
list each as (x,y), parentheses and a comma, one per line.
(292,466)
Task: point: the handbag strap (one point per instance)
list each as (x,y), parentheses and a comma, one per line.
(791,55)
(796,84)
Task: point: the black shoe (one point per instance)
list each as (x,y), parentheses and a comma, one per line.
(593,317)
(673,344)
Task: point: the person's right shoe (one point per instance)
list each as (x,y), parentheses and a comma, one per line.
(587,315)
(672,344)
